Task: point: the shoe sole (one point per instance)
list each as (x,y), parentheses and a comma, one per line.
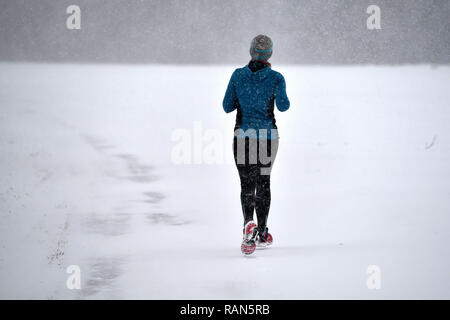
(248,245)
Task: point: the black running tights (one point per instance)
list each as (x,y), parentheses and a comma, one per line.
(254,159)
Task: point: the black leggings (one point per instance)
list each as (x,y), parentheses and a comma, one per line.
(254,159)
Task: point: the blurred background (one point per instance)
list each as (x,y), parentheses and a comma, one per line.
(215,31)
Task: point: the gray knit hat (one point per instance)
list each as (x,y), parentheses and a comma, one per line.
(261,48)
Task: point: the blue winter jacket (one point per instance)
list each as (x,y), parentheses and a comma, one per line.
(253,95)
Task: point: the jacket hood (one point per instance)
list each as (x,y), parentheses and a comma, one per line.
(257,75)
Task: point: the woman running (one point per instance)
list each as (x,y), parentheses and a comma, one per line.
(252,91)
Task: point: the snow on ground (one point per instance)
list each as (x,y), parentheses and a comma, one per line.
(88,178)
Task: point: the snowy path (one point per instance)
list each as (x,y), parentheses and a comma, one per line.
(362,178)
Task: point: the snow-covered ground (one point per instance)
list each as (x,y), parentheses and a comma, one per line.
(89,178)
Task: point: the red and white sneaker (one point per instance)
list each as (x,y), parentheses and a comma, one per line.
(264,240)
(248,245)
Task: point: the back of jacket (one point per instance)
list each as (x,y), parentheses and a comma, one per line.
(253,95)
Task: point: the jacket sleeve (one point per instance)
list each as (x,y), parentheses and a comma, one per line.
(280,94)
(230,100)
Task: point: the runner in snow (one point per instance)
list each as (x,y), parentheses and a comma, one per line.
(252,91)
